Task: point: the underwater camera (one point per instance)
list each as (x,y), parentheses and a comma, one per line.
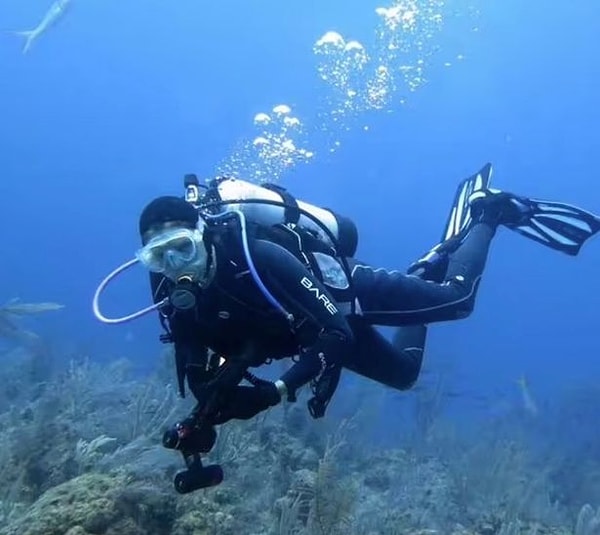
(197,476)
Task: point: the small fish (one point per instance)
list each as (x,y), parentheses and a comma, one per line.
(528,403)
(16,308)
(56,11)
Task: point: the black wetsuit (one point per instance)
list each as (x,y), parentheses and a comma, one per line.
(233,316)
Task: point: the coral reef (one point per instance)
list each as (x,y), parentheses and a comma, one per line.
(97,503)
(80,454)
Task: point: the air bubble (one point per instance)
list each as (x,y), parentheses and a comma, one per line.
(331,39)
(275,149)
(282,109)
(262,118)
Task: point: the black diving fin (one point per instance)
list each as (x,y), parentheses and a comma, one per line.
(559,226)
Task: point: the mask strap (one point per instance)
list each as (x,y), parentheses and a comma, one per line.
(123,319)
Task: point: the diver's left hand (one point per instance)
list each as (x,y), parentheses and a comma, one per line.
(245,402)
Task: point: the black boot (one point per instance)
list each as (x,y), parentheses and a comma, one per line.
(496,208)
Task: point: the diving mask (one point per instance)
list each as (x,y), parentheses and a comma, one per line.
(175,252)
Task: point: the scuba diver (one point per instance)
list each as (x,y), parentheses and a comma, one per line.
(243,274)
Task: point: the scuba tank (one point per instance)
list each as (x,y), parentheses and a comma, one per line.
(270,205)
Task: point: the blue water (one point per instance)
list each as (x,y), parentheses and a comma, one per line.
(119,100)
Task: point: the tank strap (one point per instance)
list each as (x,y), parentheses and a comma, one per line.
(291,211)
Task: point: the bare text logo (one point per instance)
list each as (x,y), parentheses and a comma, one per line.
(320,296)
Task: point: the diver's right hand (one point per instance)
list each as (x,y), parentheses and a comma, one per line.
(189,437)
